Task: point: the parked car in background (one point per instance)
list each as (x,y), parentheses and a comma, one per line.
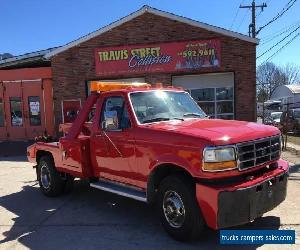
(275,116)
(290,120)
(268,120)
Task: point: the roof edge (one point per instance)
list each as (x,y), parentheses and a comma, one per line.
(148,9)
(39,53)
(203,25)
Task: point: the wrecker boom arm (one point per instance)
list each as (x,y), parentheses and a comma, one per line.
(82,116)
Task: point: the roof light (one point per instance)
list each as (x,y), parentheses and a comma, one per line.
(108,86)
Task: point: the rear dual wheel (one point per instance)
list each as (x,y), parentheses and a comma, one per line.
(50,180)
(178,209)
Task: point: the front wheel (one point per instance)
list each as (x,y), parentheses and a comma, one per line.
(50,181)
(178,209)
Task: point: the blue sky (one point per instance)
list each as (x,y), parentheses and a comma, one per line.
(30,25)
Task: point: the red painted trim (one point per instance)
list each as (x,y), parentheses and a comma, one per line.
(25,74)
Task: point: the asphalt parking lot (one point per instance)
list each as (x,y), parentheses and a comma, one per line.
(93,219)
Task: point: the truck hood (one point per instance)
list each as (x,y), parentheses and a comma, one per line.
(219,132)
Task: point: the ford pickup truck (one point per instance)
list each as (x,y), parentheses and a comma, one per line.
(156,145)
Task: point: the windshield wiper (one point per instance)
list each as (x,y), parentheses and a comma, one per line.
(176,118)
(158,119)
(192,114)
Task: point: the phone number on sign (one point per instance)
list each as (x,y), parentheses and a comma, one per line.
(200,52)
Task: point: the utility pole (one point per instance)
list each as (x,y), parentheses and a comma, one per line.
(253,6)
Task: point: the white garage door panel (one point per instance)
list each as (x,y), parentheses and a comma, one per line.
(214,93)
(204,81)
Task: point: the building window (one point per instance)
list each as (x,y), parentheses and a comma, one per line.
(34,106)
(215,102)
(1,113)
(16,111)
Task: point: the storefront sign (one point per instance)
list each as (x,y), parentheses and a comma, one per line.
(155,58)
(34,108)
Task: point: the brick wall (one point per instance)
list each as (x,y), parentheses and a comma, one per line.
(72,68)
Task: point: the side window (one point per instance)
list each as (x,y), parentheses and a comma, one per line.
(114,115)
(125,120)
(16,111)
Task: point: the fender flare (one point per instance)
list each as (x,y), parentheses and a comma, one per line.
(163,166)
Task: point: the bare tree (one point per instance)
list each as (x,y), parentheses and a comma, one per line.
(291,73)
(269,76)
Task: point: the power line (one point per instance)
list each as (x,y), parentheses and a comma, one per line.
(243,19)
(236,14)
(278,42)
(285,45)
(280,14)
(257,15)
(253,6)
(278,33)
(261,10)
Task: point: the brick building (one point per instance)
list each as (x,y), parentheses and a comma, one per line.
(217,66)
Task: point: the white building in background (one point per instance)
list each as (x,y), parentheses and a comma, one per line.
(287,94)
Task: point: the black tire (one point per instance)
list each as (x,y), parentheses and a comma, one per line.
(180,190)
(50,181)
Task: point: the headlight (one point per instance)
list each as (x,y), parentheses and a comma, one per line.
(219,158)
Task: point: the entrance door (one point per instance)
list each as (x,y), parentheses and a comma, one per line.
(22,114)
(14,111)
(33,108)
(3,133)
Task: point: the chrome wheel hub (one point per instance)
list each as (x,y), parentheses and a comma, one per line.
(45,176)
(173,208)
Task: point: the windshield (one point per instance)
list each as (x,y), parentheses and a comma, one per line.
(160,105)
(297,113)
(276,115)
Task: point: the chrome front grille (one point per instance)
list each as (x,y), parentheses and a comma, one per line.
(257,152)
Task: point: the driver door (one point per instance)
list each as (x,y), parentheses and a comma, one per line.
(114,146)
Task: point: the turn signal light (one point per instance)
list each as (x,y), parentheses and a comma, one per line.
(219,166)
(108,86)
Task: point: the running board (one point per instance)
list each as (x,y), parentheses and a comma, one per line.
(120,189)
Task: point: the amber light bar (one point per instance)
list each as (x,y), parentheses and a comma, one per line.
(108,86)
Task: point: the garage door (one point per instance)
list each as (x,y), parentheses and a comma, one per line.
(22,109)
(214,93)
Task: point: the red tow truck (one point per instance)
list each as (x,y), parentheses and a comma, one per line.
(156,145)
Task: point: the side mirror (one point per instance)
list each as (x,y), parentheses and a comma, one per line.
(111,121)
